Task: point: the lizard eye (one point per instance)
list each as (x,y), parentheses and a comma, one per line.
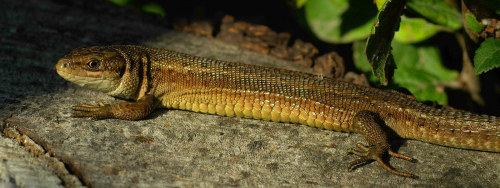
(93,64)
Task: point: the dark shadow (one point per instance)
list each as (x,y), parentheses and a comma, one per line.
(157,113)
(356,15)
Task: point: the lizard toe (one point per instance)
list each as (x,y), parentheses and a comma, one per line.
(373,153)
(89,107)
(93,111)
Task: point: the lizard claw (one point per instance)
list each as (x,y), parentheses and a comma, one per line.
(88,107)
(373,153)
(100,111)
(364,156)
(124,110)
(401,156)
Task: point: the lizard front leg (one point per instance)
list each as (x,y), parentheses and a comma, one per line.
(125,110)
(369,124)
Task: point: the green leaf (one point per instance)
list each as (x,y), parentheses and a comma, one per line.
(340,21)
(472,23)
(413,30)
(154,9)
(359,56)
(300,3)
(121,2)
(379,3)
(378,47)
(437,11)
(420,70)
(360,61)
(487,56)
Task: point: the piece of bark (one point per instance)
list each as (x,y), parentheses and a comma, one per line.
(330,64)
(262,39)
(200,28)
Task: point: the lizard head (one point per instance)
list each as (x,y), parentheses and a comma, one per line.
(98,68)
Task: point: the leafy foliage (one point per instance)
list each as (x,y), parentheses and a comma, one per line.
(152,8)
(437,11)
(413,30)
(472,23)
(378,47)
(300,3)
(421,71)
(340,21)
(419,66)
(359,57)
(487,56)
(121,2)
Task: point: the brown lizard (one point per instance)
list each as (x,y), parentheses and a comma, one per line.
(156,78)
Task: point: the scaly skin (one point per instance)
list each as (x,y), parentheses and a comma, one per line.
(162,78)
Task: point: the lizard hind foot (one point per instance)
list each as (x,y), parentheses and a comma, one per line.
(375,154)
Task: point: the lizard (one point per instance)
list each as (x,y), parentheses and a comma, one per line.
(151,78)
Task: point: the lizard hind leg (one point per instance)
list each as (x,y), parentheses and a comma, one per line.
(369,126)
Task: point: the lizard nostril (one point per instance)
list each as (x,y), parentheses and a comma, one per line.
(62,64)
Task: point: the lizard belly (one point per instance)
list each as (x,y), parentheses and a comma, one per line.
(262,106)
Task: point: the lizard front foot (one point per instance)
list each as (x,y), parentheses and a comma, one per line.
(100,111)
(125,110)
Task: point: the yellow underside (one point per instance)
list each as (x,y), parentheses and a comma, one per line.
(270,108)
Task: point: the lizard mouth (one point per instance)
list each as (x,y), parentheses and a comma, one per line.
(62,68)
(81,77)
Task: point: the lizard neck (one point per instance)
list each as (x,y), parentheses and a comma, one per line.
(134,81)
